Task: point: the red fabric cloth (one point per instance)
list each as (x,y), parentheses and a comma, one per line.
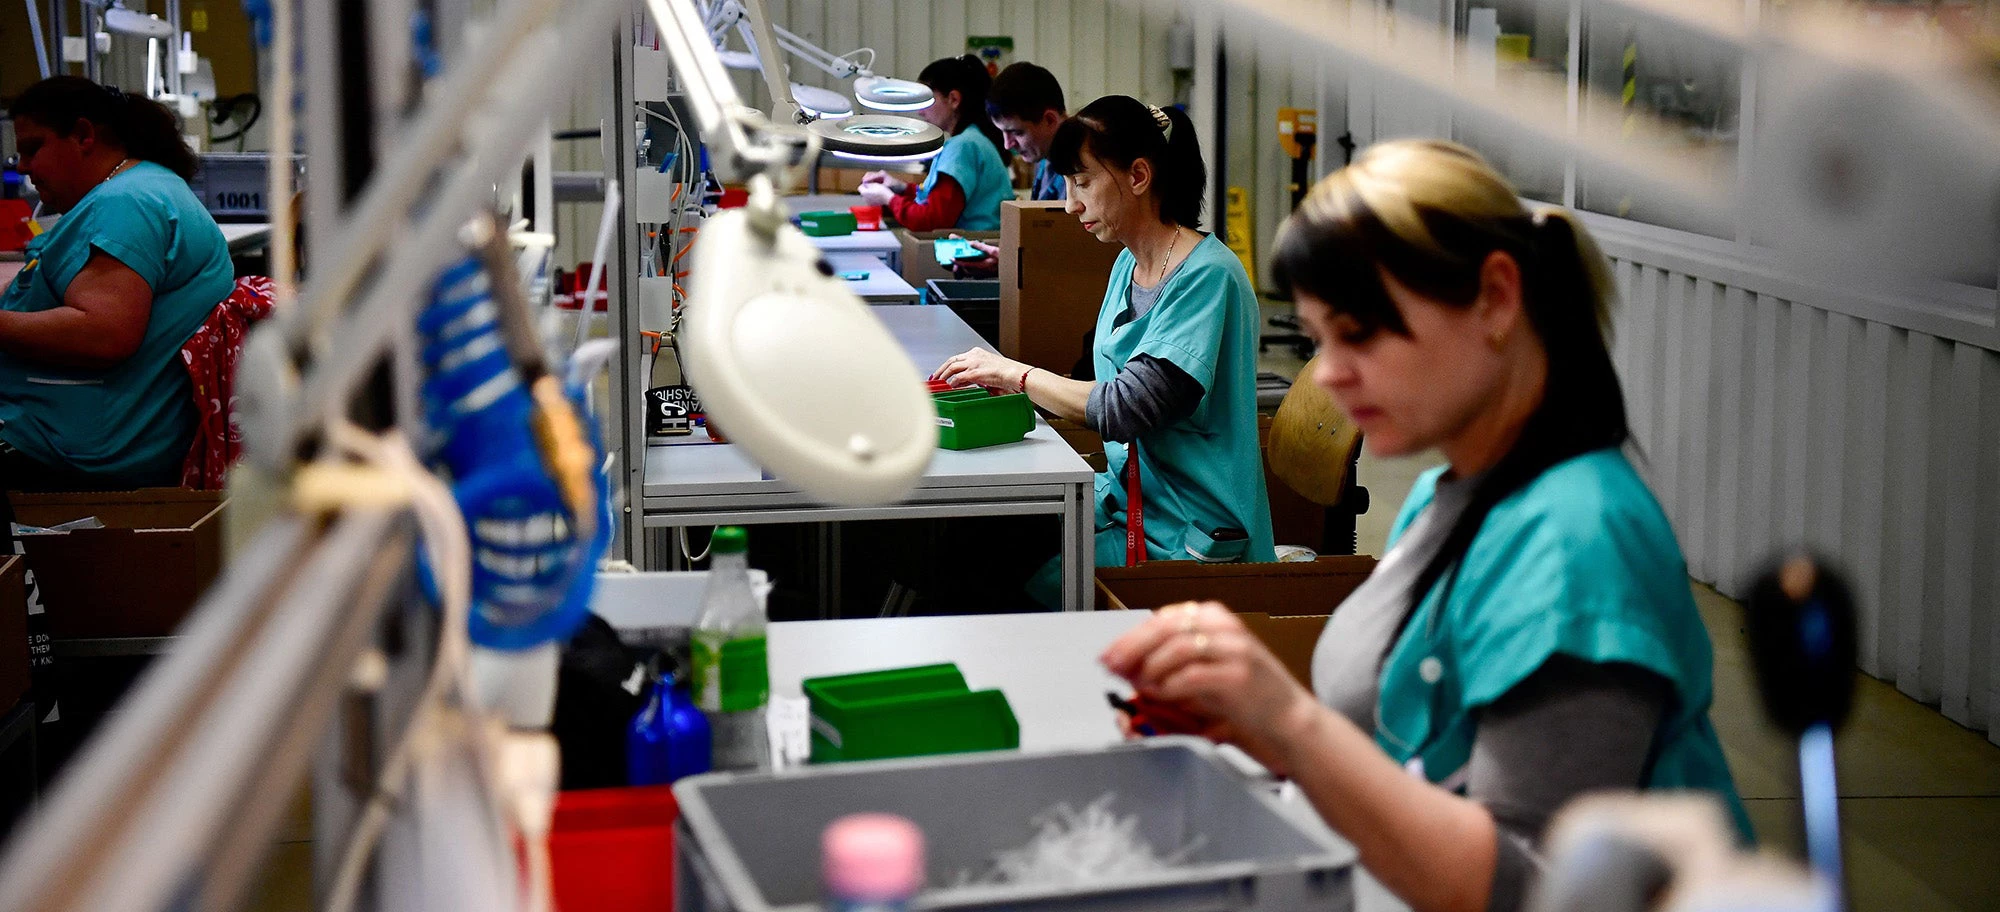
(210,355)
(937,212)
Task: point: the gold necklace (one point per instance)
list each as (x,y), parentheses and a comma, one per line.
(120,169)
(1169,258)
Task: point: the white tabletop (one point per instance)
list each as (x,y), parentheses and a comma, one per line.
(878,244)
(883,285)
(1046,664)
(245,235)
(822,202)
(929,335)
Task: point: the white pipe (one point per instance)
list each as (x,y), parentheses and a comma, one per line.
(607,224)
(41,42)
(434,137)
(543,71)
(279,193)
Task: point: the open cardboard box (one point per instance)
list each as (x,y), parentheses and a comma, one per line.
(920,263)
(140,575)
(1285,604)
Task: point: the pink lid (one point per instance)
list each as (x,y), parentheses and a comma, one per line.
(873,857)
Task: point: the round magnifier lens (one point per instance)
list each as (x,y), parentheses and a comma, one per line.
(879,136)
(885,94)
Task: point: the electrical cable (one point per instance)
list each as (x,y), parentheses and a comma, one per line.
(686,552)
(448,543)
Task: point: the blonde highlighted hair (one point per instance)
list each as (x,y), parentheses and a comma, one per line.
(1429,214)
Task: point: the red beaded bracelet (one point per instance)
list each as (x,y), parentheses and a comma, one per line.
(1024,379)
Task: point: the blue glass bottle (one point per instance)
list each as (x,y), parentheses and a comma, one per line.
(669,738)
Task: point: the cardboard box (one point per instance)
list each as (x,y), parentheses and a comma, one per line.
(1291,639)
(920,263)
(13,631)
(137,577)
(1279,590)
(1052,280)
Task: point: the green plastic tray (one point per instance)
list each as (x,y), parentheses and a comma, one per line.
(973,418)
(826,223)
(906,712)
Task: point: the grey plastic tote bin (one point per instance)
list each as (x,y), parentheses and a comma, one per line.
(750,842)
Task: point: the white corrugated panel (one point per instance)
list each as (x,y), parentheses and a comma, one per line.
(1769,424)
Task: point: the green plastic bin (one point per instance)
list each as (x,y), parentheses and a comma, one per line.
(906,712)
(973,418)
(826,223)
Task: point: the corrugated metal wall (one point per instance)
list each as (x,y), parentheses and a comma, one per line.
(1768,422)
(1095,47)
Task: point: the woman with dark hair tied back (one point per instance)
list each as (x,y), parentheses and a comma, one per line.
(968,179)
(1530,635)
(1175,350)
(93,394)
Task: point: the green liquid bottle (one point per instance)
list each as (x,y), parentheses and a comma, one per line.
(732,682)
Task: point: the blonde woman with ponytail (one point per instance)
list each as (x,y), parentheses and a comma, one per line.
(1530,635)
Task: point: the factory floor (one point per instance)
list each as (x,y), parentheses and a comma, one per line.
(1920,794)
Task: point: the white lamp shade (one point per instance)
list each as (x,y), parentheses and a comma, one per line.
(826,103)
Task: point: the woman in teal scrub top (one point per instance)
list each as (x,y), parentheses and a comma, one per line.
(1175,350)
(93,394)
(1530,635)
(968,179)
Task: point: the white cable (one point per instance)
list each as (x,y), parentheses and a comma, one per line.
(449,545)
(682,532)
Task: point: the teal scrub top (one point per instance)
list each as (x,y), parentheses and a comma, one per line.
(130,425)
(1580,562)
(1048,185)
(971,159)
(1203,472)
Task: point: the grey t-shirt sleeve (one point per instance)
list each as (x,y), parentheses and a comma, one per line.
(1571,727)
(1147,393)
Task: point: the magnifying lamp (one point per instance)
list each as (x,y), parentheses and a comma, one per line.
(121,21)
(887,94)
(796,369)
(880,137)
(824,104)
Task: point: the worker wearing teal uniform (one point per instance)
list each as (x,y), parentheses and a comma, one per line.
(93,393)
(968,179)
(1529,636)
(1174,352)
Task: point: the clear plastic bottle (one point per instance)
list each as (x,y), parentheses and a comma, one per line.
(732,682)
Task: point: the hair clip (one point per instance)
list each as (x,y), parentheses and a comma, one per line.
(1166,123)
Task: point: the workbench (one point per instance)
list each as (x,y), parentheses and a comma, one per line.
(718,484)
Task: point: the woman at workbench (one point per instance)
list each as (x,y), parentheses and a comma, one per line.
(968,179)
(93,393)
(1530,634)
(1176,344)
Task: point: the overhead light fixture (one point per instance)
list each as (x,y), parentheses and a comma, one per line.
(824,104)
(884,93)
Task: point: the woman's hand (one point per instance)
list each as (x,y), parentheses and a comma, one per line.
(883,178)
(876,194)
(1200,660)
(980,367)
(988,265)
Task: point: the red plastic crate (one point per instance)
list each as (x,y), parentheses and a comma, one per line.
(612,850)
